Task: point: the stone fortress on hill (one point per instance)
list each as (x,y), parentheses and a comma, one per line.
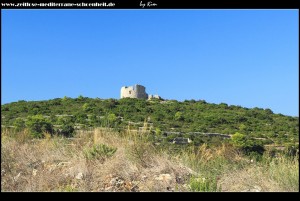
(136,91)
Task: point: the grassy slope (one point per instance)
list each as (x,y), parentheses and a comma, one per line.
(60,164)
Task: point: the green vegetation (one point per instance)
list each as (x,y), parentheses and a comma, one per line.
(67,130)
(200,184)
(38,125)
(246,144)
(252,129)
(99,151)
(187,116)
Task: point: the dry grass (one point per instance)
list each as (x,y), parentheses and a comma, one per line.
(234,172)
(285,172)
(251,178)
(59,164)
(273,175)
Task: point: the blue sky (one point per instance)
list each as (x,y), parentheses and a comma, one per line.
(239,57)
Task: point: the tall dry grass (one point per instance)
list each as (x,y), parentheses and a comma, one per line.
(285,171)
(61,164)
(279,174)
(225,169)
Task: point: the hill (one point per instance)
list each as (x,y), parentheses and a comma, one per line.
(164,145)
(168,115)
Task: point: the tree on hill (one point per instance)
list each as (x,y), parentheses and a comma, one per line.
(246,144)
(38,125)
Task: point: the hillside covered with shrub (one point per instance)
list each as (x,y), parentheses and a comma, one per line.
(168,115)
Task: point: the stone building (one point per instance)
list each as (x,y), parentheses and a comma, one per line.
(136,91)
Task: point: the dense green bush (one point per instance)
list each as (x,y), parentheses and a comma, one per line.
(19,124)
(246,144)
(67,130)
(38,125)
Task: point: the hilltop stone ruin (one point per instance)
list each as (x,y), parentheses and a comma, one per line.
(136,91)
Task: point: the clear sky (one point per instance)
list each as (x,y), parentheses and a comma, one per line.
(239,57)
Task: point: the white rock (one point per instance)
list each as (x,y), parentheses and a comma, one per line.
(144,177)
(113,181)
(17,177)
(110,188)
(120,183)
(79,175)
(34,171)
(256,189)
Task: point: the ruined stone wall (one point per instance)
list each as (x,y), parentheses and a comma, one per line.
(136,91)
(141,92)
(154,97)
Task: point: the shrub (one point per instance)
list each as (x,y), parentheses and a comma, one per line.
(19,124)
(81,117)
(99,151)
(141,153)
(158,132)
(179,116)
(111,118)
(67,130)
(239,140)
(247,145)
(38,125)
